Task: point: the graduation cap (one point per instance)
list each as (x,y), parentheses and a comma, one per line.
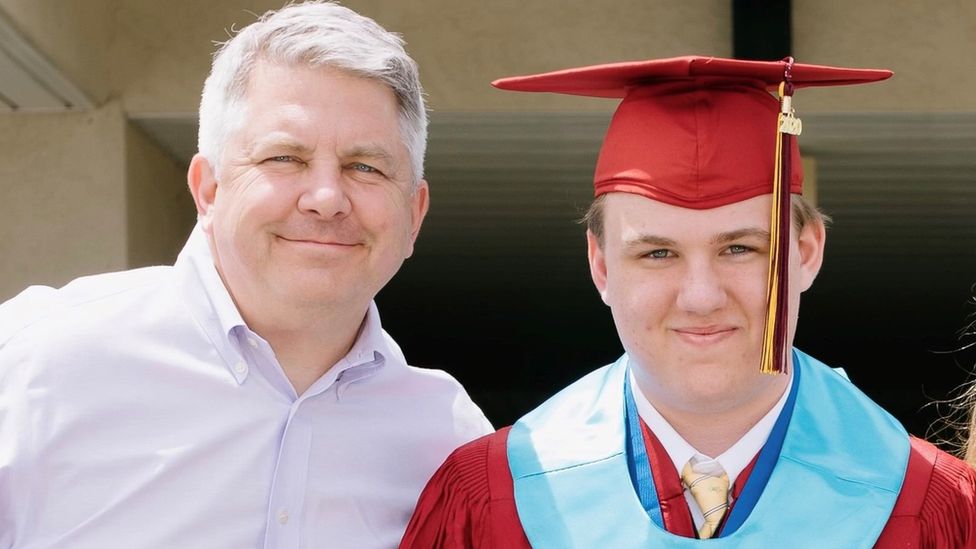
(702,132)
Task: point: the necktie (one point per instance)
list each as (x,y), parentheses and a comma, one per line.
(711,493)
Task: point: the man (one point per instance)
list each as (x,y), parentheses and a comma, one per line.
(247,396)
(701,254)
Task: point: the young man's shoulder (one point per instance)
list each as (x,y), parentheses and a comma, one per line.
(470,501)
(470,479)
(479,469)
(937,503)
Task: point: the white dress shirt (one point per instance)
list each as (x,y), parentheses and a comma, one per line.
(137,410)
(732,461)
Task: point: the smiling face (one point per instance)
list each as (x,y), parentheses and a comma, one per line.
(687,290)
(313,203)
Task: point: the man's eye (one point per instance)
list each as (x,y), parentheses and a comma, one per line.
(284,158)
(364,168)
(738,249)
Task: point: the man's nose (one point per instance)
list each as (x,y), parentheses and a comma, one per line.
(325,194)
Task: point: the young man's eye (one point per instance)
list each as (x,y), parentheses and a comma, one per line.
(738,249)
(659,254)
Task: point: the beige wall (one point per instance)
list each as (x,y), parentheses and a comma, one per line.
(462,46)
(929,45)
(63,208)
(76,36)
(159,209)
(152,56)
(85,193)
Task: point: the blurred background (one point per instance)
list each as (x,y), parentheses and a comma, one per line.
(98,103)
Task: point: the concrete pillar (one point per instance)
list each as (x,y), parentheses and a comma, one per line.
(63,210)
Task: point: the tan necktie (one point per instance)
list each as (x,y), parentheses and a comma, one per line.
(711,493)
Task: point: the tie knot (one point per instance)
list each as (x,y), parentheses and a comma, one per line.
(710,489)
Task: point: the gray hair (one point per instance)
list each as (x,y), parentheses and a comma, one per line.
(313,34)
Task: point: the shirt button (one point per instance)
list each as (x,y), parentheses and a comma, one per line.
(283,517)
(240,367)
(252,342)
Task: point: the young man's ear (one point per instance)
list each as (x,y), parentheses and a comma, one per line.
(203,187)
(811,242)
(598,264)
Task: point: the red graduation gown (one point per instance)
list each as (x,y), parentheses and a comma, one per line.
(470,502)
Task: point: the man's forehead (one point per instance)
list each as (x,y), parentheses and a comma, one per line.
(268,74)
(294,125)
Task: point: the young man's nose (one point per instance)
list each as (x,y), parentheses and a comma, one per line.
(702,290)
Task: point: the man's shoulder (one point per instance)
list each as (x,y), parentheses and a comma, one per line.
(433,383)
(432,378)
(431,394)
(82,298)
(440,393)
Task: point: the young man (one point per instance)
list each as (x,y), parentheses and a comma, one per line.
(247,396)
(709,426)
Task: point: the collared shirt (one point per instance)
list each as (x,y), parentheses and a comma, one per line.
(138,410)
(733,461)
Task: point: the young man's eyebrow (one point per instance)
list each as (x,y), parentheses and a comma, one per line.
(739,234)
(650,239)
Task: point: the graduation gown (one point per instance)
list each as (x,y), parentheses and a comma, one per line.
(470,501)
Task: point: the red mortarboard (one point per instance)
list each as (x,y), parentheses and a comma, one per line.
(696,132)
(702,132)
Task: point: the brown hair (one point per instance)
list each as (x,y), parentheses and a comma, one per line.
(803,213)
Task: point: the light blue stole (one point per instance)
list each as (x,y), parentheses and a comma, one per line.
(834,485)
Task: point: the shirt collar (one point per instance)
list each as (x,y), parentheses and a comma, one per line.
(368,354)
(210,302)
(733,460)
(196,253)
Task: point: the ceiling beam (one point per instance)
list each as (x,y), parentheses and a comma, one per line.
(762,29)
(29,82)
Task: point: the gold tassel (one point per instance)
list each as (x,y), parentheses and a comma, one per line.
(774,351)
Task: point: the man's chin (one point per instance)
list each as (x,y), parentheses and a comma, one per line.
(316,290)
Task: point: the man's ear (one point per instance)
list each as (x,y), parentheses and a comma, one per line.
(203,186)
(598,264)
(419,204)
(811,242)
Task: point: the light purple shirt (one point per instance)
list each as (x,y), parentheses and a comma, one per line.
(137,410)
